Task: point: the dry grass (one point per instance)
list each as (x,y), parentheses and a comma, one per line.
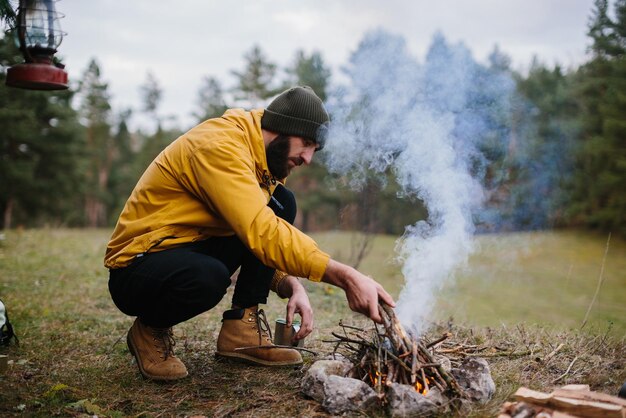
(73,361)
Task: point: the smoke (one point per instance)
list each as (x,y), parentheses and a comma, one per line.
(429,125)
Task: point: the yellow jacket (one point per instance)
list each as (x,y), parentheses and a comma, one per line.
(213,181)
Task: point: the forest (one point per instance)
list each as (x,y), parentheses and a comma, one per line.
(547,146)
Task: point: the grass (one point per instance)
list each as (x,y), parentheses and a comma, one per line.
(544,278)
(529,291)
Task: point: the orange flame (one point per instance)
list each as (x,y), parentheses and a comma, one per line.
(423,389)
(378,376)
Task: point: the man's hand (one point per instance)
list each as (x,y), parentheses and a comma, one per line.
(363,292)
(298,304)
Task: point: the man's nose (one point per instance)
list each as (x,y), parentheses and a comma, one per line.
(307,155)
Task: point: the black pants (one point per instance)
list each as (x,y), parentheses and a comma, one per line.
(168,287)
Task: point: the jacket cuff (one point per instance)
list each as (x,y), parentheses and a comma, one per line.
(318,266)
(279,276)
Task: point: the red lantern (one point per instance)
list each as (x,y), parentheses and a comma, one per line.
(39,34)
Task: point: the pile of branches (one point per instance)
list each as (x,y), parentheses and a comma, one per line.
(390,355)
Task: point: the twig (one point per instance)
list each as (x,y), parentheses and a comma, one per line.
(566,371)
(439,340)
(341,324)
(267,347)
(449,380)
(350,340)
(414,363)
(501,354)
(439,385)
(370,345)
(114,344)
(391,373)
(426,387)
(604,337)
(379,370)
(451,350)
(600,280)
(553,352)
(427,365)
(388,354)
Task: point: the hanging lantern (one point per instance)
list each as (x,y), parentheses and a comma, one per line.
(39,35)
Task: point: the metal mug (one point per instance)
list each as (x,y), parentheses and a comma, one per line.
(283,334)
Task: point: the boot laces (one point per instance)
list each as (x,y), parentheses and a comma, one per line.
(164,341)
(263,327)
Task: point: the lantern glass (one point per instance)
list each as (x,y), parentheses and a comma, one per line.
(38,36)
(39,24)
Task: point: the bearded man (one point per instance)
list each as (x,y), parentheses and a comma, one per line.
(213,202)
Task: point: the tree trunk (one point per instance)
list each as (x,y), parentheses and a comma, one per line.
(304,221)
(8,213)
(94,211)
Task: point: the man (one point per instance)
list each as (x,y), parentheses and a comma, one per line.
(212,202)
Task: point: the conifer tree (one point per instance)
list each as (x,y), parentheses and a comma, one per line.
(95,114)
(40,152)
(315,199)
(210,100)
(543,159)
(124,173)
(310,71)
(152,144)
(597,197)
(255,83)
(151,96)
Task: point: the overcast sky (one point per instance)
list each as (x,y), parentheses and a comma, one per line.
(182,41)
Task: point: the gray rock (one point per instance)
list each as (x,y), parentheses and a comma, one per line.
(435,396)
(405,401)
(313,381)
(474,376)
(344,394)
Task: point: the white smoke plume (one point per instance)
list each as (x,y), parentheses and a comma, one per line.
(417,121)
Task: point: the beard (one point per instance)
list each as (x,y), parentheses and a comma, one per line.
(277,154)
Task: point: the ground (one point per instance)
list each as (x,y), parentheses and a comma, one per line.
(527,293)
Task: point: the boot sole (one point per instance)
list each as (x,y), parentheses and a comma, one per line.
(131,348)
(244,358)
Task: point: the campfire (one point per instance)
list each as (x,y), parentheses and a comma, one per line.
(385,366)
(391,355)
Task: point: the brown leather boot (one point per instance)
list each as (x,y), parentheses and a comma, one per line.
(247,331)
(154,350)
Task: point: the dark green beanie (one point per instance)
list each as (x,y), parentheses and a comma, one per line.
(297,112)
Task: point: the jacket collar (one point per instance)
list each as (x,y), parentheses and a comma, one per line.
(263,174)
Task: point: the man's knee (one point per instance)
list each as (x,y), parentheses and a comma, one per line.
(211,277)
(283,203)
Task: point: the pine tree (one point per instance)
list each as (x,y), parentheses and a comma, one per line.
(151,96)
(210,100)
(542,162)
(602,31)
(153,144)
(310,71)
(597,197)
(95,113)
(40,153)
(255,83)
(315,199)
(124,172)
(7,12)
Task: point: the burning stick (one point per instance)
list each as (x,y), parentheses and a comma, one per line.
(395,326)
(415,363)
(425,380)
(392,356)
